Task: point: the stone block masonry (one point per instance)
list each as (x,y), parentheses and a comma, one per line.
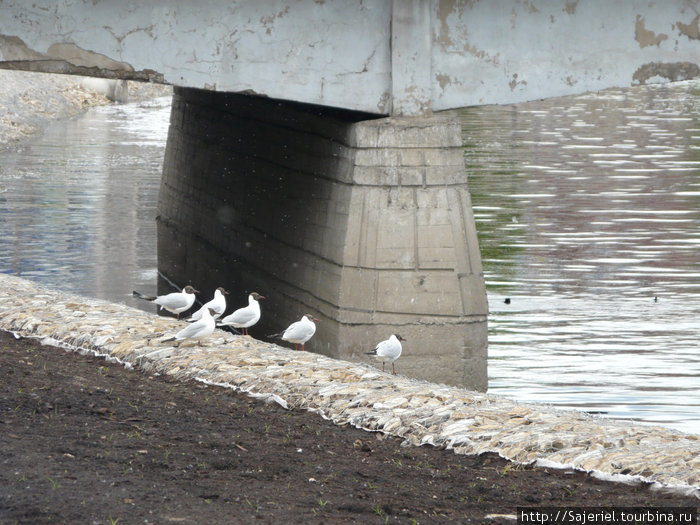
(358,394)
(365,223)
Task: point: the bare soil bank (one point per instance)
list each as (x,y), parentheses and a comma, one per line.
(86,441)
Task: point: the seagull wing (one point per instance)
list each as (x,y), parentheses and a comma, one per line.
(240,317)
(382,348)
(173,300)
(192,330)
(299,332)
(296,332)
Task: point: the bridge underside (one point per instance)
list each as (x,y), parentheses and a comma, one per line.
(365,223)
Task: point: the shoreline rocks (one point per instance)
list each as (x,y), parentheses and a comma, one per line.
(30,101)
(354,393)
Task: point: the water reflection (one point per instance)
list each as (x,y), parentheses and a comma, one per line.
(588,208)
(77,205)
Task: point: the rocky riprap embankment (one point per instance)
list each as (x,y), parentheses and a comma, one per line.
(29,101)
(356,393)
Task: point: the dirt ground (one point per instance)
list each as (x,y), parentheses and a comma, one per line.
(87,441)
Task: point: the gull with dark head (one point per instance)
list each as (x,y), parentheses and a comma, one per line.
(299,332)
(217,304)
(245,317)
(197,330)
(388,351)
(176,302)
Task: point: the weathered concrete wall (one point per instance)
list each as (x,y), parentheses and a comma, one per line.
(366,224)
(511,51)
(334,53)
(399,57)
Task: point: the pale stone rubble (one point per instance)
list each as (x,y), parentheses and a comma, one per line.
(356,393)
(29,101)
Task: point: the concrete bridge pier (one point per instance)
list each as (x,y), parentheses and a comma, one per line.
(364,222)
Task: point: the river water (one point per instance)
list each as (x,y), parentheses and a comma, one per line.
(588,213)
(587,208)
(78,204)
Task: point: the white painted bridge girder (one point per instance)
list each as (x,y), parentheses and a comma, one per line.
(402,57)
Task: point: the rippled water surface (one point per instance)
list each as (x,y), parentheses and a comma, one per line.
(588,212)
(587,207)
(77,204)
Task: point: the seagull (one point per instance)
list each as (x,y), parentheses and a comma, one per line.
(388,350)
(176,302)
(197,330)
(218,304)
(299,332)
(245,317)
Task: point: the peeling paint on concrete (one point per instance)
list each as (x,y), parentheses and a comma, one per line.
(67,58)
(690,30)
(456,9)
(269,21)
(384,105)
(65,68)
(562,47)
(302,51)
(480,53)
(444,10)
(443,80)
(655,72)
(411,56)
(565,47)
(571,7)
(515,82)
(644,36)
(14,48)
(450,15)
(532,8)
(83,57)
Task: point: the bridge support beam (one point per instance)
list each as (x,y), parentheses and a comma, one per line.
(365,223)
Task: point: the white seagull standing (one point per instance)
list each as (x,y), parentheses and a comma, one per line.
(388,350)
(218,304)
(246,317)
(197,330)
(176,302)
(299,332)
